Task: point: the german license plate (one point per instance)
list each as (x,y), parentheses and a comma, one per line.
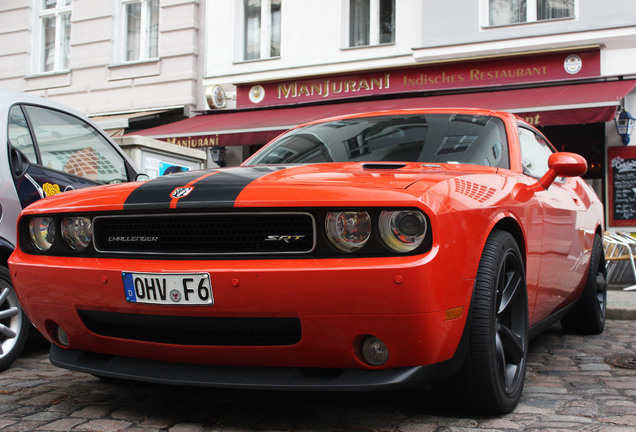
(168,288)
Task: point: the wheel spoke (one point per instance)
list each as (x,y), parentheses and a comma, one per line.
(4,294)
(510,292)
(512,344)
(7,332)
(9,313)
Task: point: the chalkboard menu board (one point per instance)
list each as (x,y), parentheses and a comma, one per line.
(621,171)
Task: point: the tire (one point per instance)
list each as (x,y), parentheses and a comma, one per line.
(588,314)
(14,324)
(492,376)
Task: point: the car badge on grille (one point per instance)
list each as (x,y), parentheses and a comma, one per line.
(180,192)
(284,238)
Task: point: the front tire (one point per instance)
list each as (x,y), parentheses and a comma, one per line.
(14,325)
(492,377)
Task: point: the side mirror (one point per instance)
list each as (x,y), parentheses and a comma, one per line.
(19,162)
(142,177)
(563,164)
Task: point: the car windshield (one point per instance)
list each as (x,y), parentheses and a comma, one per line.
(435,138)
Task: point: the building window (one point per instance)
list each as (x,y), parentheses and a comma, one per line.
(141,30)
(55,31)
(503,12)
(261,29)
(371,22)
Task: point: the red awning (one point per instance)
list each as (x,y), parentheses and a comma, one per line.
(543,106)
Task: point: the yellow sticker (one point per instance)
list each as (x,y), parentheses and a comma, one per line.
(51,189)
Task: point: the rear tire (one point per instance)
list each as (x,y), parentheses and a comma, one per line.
(491,379)
(14,324)
(588,314)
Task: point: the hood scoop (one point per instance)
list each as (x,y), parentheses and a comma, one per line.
(383,166)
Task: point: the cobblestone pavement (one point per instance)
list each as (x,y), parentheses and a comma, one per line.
(570,386)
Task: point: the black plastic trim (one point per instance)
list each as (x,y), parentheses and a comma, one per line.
(249,378)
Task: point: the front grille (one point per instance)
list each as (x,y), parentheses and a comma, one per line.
(203,331)
(206,234)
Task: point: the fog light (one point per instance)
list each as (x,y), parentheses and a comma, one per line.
(374,351)
(61,336)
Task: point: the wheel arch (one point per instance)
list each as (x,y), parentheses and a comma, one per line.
(6,249)
(513,227)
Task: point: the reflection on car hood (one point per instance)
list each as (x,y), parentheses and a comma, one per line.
(269,185)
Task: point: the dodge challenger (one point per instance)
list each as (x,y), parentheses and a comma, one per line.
(369,251)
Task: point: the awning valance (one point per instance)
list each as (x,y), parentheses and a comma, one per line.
(541,106)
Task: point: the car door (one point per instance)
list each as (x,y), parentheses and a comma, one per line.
(52,152)
(562,242)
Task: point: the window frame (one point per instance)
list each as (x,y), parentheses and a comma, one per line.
(145,32)
(374,24)
(268,33)
(61,50)
(531,15)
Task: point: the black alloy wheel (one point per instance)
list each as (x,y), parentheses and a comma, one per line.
(588,314)
(494,370)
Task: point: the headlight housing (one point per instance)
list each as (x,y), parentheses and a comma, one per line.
(402,230)
(42,232)
(77,232)
(348,231)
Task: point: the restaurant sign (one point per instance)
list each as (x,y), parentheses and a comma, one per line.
(462,75)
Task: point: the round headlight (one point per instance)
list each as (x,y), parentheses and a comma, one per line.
(42,230)
(403,230)
(77,232)
(348,231)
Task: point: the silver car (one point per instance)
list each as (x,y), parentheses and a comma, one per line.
(45,148)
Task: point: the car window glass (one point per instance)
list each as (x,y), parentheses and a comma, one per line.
(438,138)
(71,145)
(19,136)
(535,152)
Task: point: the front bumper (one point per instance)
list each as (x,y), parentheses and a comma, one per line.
(403,301)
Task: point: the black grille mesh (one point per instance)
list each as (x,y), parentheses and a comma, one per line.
(227,233)
(188,330)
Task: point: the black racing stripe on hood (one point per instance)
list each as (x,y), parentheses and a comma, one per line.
(222,188)
(219,189)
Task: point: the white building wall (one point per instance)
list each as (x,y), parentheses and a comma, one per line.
(96,82)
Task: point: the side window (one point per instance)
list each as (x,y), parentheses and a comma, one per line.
(67,143)
(19,135)
(535,152)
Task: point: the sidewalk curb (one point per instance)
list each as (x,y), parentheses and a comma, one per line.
(621,305)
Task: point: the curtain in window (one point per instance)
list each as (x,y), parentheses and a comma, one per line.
(65,49)
(48,44)
(504,12)
(551,9)
(387,21)
(153,28)
(359,25)
(133,31)
(252,29)
(275,28)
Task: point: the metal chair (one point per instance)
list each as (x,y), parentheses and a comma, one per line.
(619,257)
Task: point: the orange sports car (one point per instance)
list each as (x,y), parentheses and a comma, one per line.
(361,252)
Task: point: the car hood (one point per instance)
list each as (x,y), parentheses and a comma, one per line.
(271,185)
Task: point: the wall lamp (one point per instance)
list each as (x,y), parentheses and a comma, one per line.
(624,125)
(217,153)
